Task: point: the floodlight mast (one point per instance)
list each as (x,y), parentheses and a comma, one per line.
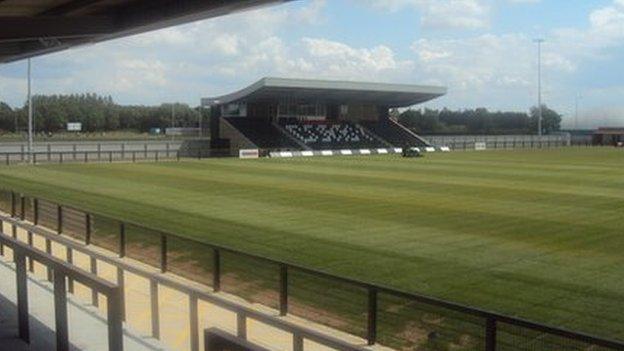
(539,42)
(30,117)
(576,109)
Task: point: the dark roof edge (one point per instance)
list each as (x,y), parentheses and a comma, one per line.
(337,85)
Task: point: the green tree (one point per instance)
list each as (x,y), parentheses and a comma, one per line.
(551,120)
(7,117)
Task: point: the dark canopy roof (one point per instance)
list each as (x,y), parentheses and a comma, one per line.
(391,95)
(34,27)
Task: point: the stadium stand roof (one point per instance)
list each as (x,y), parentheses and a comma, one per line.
(609,131)
(391,95)
(36,27)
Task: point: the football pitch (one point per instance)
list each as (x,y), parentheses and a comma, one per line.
(533,233)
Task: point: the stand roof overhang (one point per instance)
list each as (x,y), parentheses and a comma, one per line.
(36,27)
(279,89)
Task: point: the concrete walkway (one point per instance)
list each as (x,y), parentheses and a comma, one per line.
(87,326)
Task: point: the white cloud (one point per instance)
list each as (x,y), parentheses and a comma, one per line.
(445,14)
(524,1)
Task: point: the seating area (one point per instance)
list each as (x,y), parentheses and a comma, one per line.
(262,133)
(394,134)
(333,136)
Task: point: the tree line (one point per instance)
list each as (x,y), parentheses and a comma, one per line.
(100,113)
(96,113)
(479,121)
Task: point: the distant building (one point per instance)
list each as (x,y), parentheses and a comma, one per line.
(302,114)
(609,136)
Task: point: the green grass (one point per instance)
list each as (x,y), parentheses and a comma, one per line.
(537,234)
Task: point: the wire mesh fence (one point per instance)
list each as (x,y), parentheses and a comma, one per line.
(5,201)
(189,260)
(408,324)
(328,301)
(74,223)
(377,314)
(47,213)
(142,244)
(105,232)
(251,278)
(517,338)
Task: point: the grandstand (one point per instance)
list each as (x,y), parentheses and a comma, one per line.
(301,114)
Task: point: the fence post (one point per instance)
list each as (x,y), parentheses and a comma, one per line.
(110,157)
(154,309)
(59,219)
(121,285)
(133,156)
(163,253)
(194,322)
(70,260)
(22,207)
(372,316)
(216,270)
(94,293)
(283,290)
(122,240)
(13,204)
(99,151)
(241,325)
(22,295)
(145,151)
(114,314)
(34,158)
(490,334)
(49,252)
(31,262)
(297,342)
(35,211)
(74,151)
(6,156)
(60,312)
(86,157)
(87,229)
(60,157)
(49,152)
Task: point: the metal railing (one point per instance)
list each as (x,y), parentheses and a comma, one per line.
(373,312)
(154,155)
(62,273)
(195,294)
(8,158)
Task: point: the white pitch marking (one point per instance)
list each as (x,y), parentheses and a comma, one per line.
(365,152)
(346,152)
(382,151)
(307,153)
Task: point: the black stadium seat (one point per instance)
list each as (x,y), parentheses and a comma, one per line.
(333,136)
(394,134)
(262,133)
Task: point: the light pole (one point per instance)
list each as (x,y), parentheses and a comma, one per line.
(539,42)
(30,117)
(172,121)
(576,107)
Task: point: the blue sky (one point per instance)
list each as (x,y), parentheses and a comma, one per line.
(482,50)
